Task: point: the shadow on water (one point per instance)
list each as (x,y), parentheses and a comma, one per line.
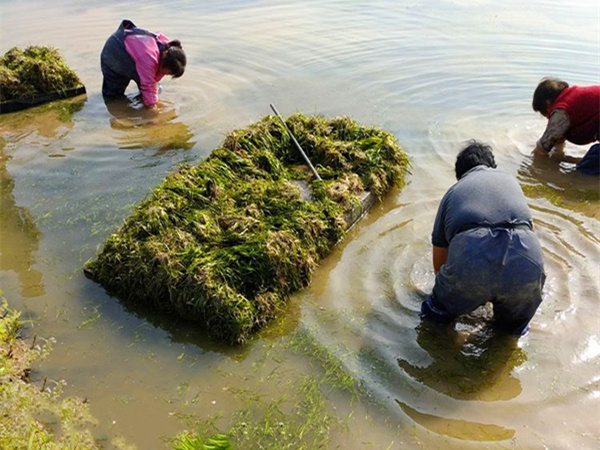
(145,128)
(19,235)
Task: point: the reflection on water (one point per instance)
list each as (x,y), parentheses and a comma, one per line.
(148,128)
(561,185)
(19,236)
(52,121)
(459,429)
(474,363)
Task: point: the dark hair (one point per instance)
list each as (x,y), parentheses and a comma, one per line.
(474,154)
(546,92)
(174,59)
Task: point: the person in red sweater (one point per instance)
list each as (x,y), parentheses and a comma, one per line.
(573,114)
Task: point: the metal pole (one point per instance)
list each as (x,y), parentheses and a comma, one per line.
(314,171)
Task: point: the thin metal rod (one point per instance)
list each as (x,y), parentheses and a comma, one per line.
(314,171)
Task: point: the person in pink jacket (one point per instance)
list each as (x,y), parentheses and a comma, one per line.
(132,53)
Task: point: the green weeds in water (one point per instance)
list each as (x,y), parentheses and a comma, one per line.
(574,199)
(335,373)
(301,417)
(35,71)
(90,320)
(193,442)
(225,242)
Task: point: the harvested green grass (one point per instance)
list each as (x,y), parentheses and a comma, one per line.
(31,416)
(224,243)
(33,72)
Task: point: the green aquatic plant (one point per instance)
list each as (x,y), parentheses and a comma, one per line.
(330,362)
(225,242)
(298,419)
(301,415)
(33,72)
(190,441)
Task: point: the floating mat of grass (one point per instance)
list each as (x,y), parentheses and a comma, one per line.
(225,242)
(34,76)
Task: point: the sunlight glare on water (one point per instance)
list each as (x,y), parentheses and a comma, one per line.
(433,73)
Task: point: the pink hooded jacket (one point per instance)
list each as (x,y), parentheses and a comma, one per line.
(144,51)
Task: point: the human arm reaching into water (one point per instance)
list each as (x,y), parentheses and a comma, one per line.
(154,56)
(573,114)
(551,143)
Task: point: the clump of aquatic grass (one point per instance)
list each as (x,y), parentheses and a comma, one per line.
(299,419)
(33,416)
(191,441)
(225,242)
(27,74)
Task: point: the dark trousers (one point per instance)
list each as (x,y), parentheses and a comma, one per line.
(118,68)
(500,265)
(590,163)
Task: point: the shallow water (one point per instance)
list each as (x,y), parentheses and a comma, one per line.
(433,73)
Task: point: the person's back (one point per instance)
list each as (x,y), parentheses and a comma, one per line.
(582,106)
(484,246)
(482,197)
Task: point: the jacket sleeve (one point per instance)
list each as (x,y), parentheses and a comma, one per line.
(558,125)
(144,52)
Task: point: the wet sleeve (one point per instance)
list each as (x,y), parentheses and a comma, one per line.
(558,125)
(438,236)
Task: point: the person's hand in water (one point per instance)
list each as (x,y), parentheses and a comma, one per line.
(539,151)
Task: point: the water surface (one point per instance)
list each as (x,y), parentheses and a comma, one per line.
(434,73)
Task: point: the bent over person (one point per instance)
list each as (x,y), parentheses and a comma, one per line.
(484,247)
(132,53)
(573,114)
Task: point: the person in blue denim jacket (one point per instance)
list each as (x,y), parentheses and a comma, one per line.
(484,246)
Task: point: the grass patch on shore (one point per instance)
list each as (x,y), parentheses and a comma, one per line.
(225,242)
(34,416)
(33,72)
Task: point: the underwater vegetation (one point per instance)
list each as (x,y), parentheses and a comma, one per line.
(224,243)
(34,72)
(299,417)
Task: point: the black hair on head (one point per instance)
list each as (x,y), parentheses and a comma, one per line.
(174,58)
(546,92)
(474,154)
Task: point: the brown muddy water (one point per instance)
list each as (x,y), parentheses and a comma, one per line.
(434,73)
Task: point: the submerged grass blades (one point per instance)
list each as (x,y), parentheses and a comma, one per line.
(225,242)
